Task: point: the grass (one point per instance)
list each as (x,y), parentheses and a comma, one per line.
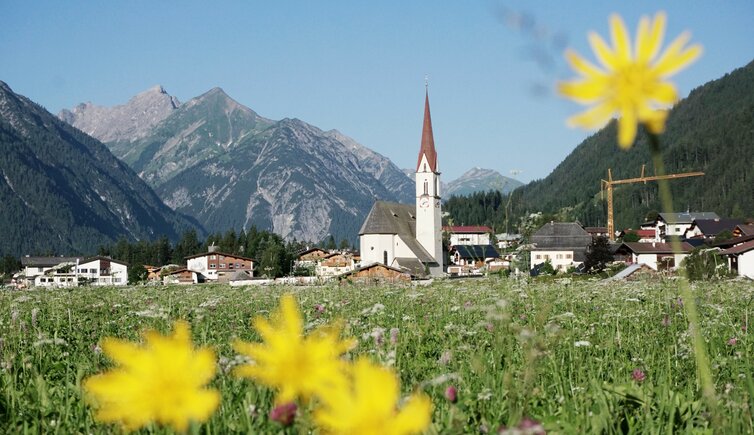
(562,352)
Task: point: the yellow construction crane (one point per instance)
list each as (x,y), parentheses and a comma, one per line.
(607,185)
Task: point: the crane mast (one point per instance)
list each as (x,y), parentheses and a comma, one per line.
(607,186)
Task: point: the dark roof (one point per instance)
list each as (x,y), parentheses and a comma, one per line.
(47,261)
(746,230)
(477,252)
(561,235)
(411,265)
(240,275)
(203,254)
(654,248)
(734,241)
(739,249)
(310,250)
(713,227)
(468,229)
(591,230)
(686,217)
(100,257)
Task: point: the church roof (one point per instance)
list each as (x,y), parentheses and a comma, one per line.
(428,141)
(398,219)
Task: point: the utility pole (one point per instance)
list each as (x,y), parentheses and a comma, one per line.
(607,185)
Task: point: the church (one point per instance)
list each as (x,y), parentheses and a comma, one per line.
(408,237)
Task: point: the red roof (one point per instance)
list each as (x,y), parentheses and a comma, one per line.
(468,229)
(739,249)
(428,141)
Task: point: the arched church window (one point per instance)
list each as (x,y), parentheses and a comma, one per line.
(426,187)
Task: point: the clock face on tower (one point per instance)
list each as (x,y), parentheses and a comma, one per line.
(424,202)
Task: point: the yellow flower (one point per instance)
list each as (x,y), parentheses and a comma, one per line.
(296,365)
(632,83)
(162,381)
(369,405)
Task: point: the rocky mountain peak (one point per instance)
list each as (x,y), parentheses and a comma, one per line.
(126,122)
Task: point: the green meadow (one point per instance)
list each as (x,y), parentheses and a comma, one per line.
(574,356)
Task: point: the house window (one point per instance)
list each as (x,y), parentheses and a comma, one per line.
(559,256)
(83,270)
(211,257)
(212,266)
(116,279)
(538,257)
(222,265)
(547,256)
(230,265)
(568,256)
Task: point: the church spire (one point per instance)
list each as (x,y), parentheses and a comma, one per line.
(428,141)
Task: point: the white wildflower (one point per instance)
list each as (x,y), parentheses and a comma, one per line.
(582,343)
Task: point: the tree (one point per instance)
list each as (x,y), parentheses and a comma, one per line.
(271,261)
(137,273)
(344,244)
(598,254)
(330,243)
(704,264)
(9,264)
(630,237)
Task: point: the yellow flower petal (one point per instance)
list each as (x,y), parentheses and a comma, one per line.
(595,117)
(297,366)
(627,129)
(160,381)
(621,41)
(633,83)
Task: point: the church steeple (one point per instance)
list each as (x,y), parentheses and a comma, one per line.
(428,141)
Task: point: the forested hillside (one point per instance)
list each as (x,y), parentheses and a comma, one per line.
(711,131)
(63,192)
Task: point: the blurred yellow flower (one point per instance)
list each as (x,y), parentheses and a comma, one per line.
(161,381)
(632,83)
(369,405)
(297,366)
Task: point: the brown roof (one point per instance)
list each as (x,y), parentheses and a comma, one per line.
(428,141)
(468,229)
(739,249)
(655,248)
(203,254)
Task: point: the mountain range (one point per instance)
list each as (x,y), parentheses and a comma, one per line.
(64,192)
(222,163)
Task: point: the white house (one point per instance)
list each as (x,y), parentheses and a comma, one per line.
(676,224)
(741,258)
(36,266)
(563,243)
(214,265)
(102,271)
(469,235)
(404,236)
(658,256)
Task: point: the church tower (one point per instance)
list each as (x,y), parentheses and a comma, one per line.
(428,214)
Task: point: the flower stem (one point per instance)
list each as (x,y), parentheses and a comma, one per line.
(689,302)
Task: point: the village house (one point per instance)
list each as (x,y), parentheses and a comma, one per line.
(596,231)
(658,256)
(468,235)
(183,276)
(676,224)
(472,259)
(373,273)
(645,235)
(405,236)
(708,229)
(744,230)
(507,240)
(310,257)
(102,271)
(563,243)
(214,264)
(741,258)
(335,264)
(73,271)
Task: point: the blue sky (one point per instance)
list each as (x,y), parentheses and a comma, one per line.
(356,66)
